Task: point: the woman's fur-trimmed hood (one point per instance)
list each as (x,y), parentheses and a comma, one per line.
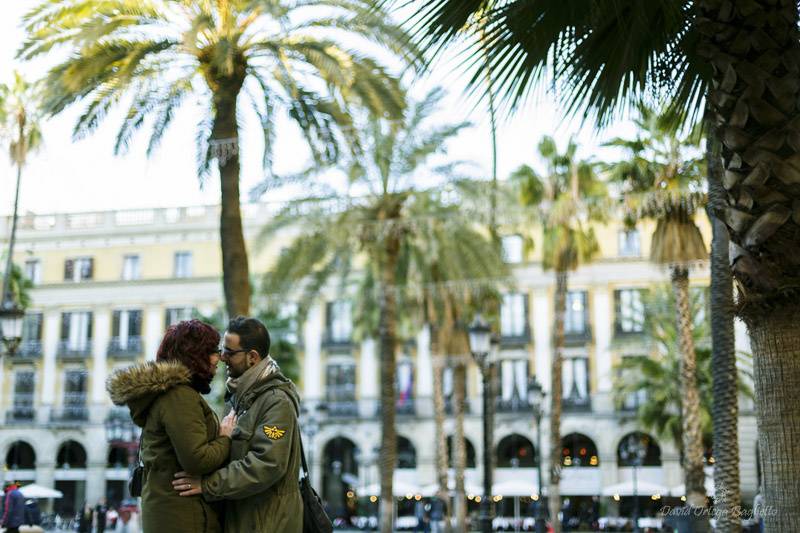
(139,385)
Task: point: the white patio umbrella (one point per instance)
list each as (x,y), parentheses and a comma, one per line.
(38,491)
(515,488)
(643,488)
(469,488)
(399,489)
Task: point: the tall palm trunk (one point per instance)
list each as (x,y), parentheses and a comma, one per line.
(556,394)
(692,435)
(725,411)
(387,330)
(8,292)
(441,440)
(756,100)
(459,444)
(225,133)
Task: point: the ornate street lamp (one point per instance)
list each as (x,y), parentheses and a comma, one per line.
(311,428)
(633,452)
(11,318)
(121,432)
(536,401)
(480,344)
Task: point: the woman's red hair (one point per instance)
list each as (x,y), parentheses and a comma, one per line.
(190,342)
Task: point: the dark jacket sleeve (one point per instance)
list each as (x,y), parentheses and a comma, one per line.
(185,424)
(267,459)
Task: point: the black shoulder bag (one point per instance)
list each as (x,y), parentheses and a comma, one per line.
(315,519)
(137,474)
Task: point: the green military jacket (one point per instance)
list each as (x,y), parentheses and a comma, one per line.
(179,432)
(260,485)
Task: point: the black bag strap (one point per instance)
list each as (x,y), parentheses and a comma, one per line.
(303,457)
(141,439)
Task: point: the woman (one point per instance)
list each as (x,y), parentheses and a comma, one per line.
(180,432)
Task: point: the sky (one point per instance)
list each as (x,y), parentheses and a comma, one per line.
(85,175)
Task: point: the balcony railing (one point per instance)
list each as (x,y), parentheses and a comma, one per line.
(449,404)
(72,414)
(342,408)
(513,339)
(512,405)
(578,338)
(68,350)
(405,408)
(20,414)
(331,342)
(576,403)
(122,348)
(29,349)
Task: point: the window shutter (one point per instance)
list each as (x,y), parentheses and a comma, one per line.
(90,268)
(134,323)
(69,269)
(89,317)
(65,320)
(115,324)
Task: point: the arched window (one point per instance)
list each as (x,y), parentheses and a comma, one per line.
(71,455)
(652,452)
(470,452)
(515,451)
(578,450)
(406,453)
(339,476)
(117,457)
(20,456)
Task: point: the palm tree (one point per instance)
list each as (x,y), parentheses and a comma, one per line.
(390,225)
(268,57)
(21,130)
(653,376)
(661,181)
(568,197)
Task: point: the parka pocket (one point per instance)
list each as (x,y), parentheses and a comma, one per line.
(240,442)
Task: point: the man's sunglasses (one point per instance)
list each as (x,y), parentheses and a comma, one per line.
(227,353)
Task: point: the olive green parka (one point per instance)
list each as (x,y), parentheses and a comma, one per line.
(260,485)
(179,433)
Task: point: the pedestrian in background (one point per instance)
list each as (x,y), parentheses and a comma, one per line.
(101,512)
(13,508)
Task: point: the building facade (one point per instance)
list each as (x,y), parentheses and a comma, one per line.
(107,284)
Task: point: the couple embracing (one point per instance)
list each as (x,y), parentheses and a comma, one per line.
(202,475)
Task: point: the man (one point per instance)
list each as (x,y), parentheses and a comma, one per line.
(260,484)
(101,514)
(13,508)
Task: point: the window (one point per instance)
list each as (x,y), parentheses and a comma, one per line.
(178,314)
(183,264)
(126,331)
(76,332)
(512,249)
(578,450)
(79,269)
(340,389)
(289,328)
(33,270)
(575,381)
(404,386)
(515,451)
(24,388)
(632,400)
(575,320)
(31,335)
(131,267)
(513,385)
(629,311)
(75,382)
(514,316)
(629,243)
(339,322)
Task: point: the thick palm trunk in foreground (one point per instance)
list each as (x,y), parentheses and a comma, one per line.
(459,444)
(235,270)
(441,440)
(556,394)
(754,49)
(690,396)
(725,411)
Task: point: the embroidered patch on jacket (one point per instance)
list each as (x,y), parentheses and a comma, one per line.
(273,432)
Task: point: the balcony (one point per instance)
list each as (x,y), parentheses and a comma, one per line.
(28,350)
(342,408)
(21,414)
(449,405)
(71,415)
(405,407)
(515,339)
(69,350)
(512,405)
(576,404)
(129,348)
(578,338)
(335,343)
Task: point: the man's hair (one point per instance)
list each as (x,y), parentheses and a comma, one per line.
(253,335)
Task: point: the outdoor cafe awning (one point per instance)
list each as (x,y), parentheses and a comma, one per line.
(515,487)
(400,489)
(643,488)
(38,491)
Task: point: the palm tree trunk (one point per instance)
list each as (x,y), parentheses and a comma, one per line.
(235,270)
(387,330)
(441,440)
(725,411)
(459,444)
(8,293)
(690,397)
(755,98)
(556,394)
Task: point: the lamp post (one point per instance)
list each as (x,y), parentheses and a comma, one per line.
(123,433)
(633,452)
(536,401)
(311,428)
(480,344)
